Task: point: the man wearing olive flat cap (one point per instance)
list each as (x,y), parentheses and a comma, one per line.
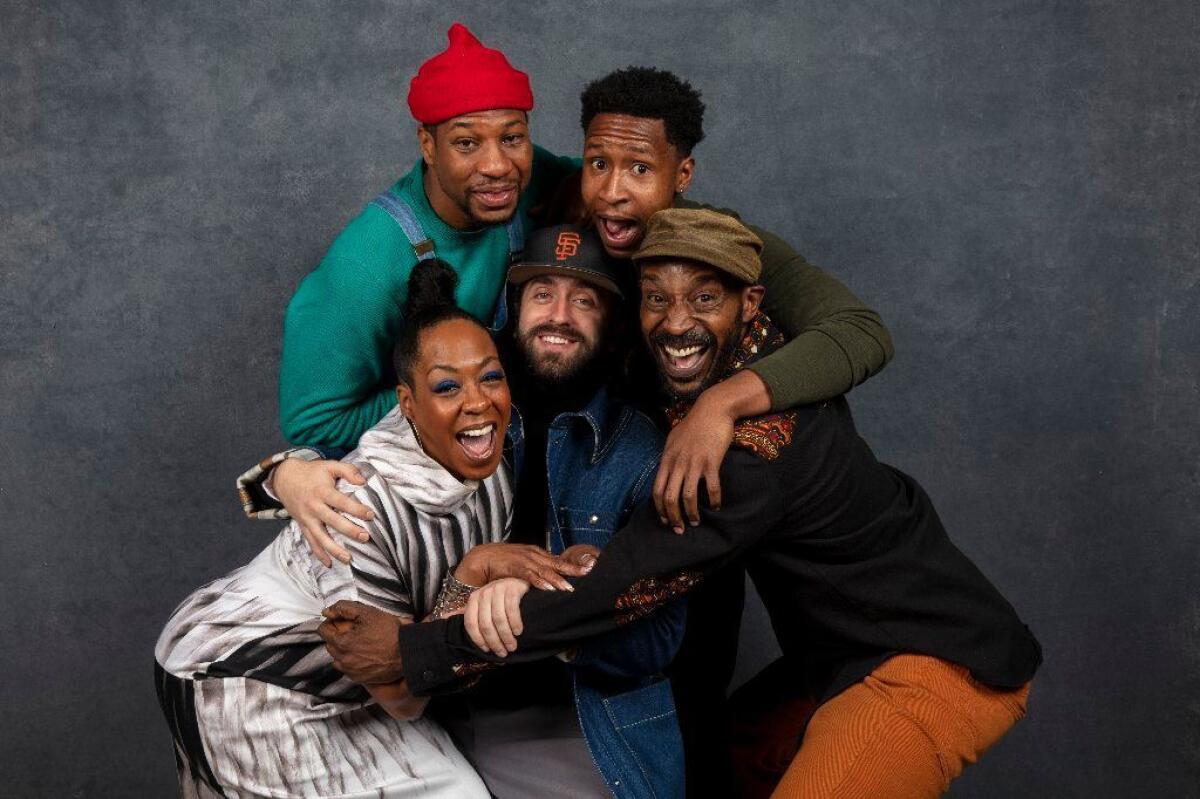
(919,662)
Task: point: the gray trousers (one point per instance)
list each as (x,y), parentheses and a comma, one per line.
(535,751)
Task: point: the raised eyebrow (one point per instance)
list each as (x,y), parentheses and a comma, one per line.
(638,147)
(634,147)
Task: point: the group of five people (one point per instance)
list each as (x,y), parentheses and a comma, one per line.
(569,448)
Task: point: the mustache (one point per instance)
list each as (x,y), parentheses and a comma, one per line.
(551,329)
(492,186)
(691,338)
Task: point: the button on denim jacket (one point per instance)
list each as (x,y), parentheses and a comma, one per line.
(600,465)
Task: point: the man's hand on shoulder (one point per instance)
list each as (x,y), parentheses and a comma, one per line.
(697,445)
(364,642)
(308,491)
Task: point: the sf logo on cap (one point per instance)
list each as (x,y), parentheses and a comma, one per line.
(568,245)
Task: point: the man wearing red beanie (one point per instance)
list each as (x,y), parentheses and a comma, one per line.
(466,201)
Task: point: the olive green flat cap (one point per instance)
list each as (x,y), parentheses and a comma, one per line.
(709,237)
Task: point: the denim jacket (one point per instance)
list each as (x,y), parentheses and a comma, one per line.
(601,463)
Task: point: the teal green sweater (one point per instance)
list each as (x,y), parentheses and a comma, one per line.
(341,323)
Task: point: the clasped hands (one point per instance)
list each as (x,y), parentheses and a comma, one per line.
(363,640)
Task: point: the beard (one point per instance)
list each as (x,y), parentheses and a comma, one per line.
(553,369)
(696,337)
(474,221)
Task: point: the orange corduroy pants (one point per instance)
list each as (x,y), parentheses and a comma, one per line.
(905,731)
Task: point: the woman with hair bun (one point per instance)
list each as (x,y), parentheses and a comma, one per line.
(253,699)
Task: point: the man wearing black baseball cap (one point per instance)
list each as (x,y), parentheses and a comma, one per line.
(584,461)
(919,663)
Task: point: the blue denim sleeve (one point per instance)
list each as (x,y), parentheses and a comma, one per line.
(646,646)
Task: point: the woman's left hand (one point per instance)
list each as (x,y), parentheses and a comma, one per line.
(493,615)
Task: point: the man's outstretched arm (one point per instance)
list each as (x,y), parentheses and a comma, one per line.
(644,566)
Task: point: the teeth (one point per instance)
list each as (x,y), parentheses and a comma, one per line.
(556,340)
(479,432)
(683,353)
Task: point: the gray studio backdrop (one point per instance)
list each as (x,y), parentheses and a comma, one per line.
(1014,185)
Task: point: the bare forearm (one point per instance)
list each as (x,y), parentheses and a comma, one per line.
(396,700)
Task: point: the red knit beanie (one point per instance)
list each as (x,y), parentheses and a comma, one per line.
(466,77)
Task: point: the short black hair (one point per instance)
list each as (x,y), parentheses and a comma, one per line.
(652,94)
(430,301)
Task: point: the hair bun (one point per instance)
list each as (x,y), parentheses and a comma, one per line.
(430,288)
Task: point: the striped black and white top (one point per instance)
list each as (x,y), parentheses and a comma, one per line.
(260,621)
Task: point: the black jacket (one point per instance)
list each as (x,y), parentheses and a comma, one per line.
(847,553)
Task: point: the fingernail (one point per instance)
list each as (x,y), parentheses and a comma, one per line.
(662,520)
(364,538)
(695,524)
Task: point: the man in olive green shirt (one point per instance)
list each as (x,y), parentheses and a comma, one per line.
(640,126)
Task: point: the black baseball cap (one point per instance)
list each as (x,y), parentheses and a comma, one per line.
(567,250)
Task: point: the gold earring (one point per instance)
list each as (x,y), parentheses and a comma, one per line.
(416,434)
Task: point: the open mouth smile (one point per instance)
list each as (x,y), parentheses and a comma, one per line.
(618,233)
(683,364)
(478,442)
